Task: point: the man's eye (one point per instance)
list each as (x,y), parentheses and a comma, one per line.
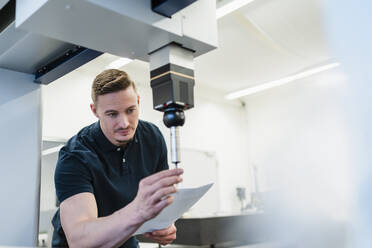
(129,111)
(112,114)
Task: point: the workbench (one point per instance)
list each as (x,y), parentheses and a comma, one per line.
(220,230)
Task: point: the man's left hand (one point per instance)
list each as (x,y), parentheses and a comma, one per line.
(164,236)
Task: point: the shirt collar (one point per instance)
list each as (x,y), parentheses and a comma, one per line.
(103,142)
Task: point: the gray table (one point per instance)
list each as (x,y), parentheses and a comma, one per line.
(230,230)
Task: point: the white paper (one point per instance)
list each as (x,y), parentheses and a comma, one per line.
(184,199)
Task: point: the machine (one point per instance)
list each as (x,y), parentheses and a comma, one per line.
(42,40)
(172,82)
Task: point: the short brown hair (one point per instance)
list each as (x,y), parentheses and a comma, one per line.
(109,81)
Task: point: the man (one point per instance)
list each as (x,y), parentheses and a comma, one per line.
(113,175)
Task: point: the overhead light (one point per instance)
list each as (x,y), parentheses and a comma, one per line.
(230,7)
(51,150)
(116,64)
(275,83)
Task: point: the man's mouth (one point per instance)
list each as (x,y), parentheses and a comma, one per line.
(123,131)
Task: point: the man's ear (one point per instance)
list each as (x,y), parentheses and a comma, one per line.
(138,99)
(94,109)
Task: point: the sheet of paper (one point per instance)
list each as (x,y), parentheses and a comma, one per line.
(184,199)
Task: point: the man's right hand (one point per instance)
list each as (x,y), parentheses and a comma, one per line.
(154,193)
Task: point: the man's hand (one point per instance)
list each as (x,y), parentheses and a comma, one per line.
(164,236)
(154,194)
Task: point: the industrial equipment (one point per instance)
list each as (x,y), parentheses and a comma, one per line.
(42,40)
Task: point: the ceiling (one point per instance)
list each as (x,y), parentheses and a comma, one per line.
(261,41)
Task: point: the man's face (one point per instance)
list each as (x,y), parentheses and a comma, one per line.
(118,115)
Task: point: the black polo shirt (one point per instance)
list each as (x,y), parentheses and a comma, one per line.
(89,162)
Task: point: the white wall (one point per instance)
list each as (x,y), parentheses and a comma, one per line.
(218,126)
(301,140)
(47,189)
(213,125)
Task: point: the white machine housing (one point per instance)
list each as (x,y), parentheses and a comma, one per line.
(125,28)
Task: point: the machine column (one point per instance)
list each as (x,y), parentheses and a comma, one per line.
(20,146)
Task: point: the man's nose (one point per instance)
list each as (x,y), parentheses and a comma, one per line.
(124,122)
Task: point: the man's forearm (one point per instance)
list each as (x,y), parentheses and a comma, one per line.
(109,231)
(83,229)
